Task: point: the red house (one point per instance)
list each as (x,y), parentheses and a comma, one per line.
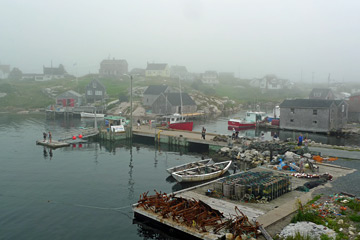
(69,99)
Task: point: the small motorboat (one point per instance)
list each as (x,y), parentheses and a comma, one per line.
(190,165)
(202,173)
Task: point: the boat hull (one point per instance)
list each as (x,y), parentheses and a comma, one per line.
(187,126)
(200,177)
(240,124)
(92,115)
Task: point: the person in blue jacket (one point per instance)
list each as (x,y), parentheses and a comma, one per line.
(300,140)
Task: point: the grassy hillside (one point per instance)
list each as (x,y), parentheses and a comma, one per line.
(30,94)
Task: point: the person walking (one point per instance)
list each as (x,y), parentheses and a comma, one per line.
(44,136)
(50,136)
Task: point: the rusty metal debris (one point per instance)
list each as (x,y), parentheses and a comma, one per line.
(197,214)
(239,225)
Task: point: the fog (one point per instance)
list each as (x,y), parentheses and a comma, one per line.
(291,39)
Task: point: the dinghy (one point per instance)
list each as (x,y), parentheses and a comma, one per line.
(189,165)
(202,173)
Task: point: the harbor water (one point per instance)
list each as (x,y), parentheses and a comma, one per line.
(85,191)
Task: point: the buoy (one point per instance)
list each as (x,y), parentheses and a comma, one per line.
(80,136)
(74,137)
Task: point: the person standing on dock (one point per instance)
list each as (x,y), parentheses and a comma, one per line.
(50,136)
(300,140)
(44,135)
(138,124)
(203,133)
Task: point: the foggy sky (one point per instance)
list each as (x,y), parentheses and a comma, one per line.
(250,38)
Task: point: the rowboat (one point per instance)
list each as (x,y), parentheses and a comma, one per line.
(189,165)
(202,173)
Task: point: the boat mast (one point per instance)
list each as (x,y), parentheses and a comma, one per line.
(180,98)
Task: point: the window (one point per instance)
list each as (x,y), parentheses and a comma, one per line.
(291,120)
(292,110)
(89,92)
(315,112)
(314,122)
(343,108)
(94,84)
(98,93)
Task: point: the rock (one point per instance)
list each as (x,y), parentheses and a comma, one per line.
(229,236)
(341,221)
(306,228)
(351,233)
(225,149)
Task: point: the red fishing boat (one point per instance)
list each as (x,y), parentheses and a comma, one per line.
(250,121)
(176,121)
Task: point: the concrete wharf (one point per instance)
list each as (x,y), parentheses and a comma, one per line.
(267,214)
(178,137)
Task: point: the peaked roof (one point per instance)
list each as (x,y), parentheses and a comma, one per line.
(69,94)
(55,71)
(155,89)
(114,61)
(156,66)
(97,81)
(174,99)
(320,93)
(306,103)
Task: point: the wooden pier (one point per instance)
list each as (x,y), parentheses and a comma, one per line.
(267,215)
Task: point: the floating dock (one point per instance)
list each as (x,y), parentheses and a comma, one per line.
(52,144)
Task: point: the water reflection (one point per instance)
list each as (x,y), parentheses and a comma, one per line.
(47,152)
(131,181)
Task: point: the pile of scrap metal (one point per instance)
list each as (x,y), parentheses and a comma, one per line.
(189,212)
(197,214)
(239,226)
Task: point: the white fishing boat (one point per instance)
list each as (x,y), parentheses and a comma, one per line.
(203,173)
(91,115)
(190,165)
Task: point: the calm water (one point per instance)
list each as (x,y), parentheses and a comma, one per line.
(83,191)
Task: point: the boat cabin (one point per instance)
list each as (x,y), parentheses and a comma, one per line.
(175,118)
(115,121)
(254,116)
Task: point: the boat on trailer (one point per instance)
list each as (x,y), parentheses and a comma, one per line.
(185,166)
(203,173)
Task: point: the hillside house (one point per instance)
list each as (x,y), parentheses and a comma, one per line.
(69,99)
(51,73)
(322,93)
(210,77)
(153,92)
(313,115)
(95,91)
(4,71)
(113,68)
(170,103)
(157,70)
(354,107)
(270,82)
(179,72)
